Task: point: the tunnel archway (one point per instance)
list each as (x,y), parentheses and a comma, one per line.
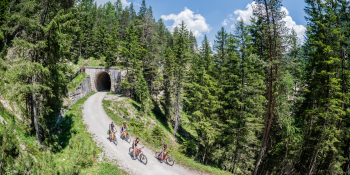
(103,81)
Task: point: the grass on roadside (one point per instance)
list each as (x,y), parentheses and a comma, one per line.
(76,82)
(73,132)
(154,130)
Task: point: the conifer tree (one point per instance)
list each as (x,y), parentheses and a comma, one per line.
(143,9)
(323,95)
(133,15)
(118,9)
(43,48)
(181,54)
(273,34)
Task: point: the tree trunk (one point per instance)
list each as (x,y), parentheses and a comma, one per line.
(266,131)
(198,148)
(37,132)
(177,104)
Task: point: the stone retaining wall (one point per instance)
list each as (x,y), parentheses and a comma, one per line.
(81,91)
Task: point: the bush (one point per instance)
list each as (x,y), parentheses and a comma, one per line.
(157,135)
(138,126)
(189,148)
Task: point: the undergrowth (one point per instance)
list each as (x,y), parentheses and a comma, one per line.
(71,150)
(77,64)
(154,130)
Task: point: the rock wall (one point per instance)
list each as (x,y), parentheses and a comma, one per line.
(81,91)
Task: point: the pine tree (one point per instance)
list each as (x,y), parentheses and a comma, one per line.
(181,53)
(273,35)
(133,16)
(43,47)
(202,102)
(132,52)
(112,51)
(220,48)
(142,93)
(118,9)
(143,9)
(323,94)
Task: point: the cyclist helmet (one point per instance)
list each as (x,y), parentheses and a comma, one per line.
(137,138)
(124,121)
(165,144)
(112,123)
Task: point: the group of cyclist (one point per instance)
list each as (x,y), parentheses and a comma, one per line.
(113,130)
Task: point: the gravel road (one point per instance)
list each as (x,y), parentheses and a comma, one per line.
(98,121)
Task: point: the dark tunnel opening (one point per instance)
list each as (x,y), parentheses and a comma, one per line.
(103,82)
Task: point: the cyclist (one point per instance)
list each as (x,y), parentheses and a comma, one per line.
(124,126)
(164,150)
(134,145)
(112,130)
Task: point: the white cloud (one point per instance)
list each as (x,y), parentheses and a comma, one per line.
(245,14)
(224,23)
(232,26)
(299,29)
(125,3)
(194,22)
(231,17)
(248,13)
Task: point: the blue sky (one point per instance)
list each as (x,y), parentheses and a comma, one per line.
(208,16)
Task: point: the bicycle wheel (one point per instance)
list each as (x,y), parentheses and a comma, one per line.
(115,141)
(157,155)
(170,161)
(128,139)
(143,159)
(131,151)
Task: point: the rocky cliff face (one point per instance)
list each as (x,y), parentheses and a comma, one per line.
(81,91)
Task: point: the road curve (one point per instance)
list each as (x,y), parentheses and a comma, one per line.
(97,120)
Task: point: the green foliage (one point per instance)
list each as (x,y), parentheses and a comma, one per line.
(76,82)
(125,85)
(9,147)
(142,92)
(108,167)
(155,135)
(263,103)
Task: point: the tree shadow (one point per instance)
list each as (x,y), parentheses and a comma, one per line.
(64,130)
(160,116)
(136,106)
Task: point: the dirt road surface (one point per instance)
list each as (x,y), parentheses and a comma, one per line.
(98,121)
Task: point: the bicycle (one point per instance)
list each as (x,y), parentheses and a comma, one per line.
(169,160)
(114,139)
(127,136)
(139,154)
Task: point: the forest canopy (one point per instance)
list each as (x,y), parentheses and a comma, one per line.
(260,101)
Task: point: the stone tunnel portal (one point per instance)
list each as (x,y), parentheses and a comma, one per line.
(103,81)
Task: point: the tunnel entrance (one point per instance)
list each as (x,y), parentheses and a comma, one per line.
(103,81)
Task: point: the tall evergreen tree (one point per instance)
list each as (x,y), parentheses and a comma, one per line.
(43,48)
(181,53)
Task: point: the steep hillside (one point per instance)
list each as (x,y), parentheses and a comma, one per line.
(154,131)
(70,151)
